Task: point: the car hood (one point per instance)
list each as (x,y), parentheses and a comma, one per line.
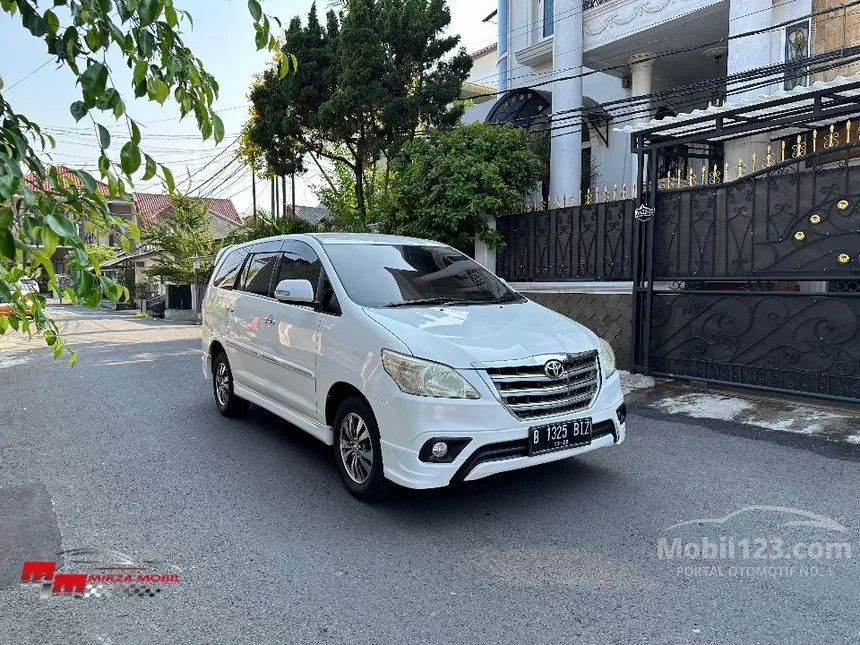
(463,335)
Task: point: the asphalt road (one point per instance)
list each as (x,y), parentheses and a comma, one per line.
(127,451)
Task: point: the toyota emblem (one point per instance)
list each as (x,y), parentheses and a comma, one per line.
(554,369)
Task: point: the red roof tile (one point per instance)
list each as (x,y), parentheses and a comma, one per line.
(150,206)
(66,174)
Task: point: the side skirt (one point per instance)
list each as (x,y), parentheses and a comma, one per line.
(321,432)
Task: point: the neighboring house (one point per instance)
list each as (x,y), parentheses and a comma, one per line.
(480,87)
(145,210)
(150,208)
(314,214)
(574,58)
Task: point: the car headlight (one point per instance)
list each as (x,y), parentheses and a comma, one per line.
(426,378)
(607,359)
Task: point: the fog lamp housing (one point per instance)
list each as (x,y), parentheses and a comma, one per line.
(442,450)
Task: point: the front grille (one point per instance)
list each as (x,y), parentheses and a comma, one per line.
(529,393)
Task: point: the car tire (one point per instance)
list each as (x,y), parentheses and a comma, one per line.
(226,400)
(357,450)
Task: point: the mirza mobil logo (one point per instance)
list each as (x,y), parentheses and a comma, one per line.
(99,573)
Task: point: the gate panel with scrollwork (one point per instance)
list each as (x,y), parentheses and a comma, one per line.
(755,280)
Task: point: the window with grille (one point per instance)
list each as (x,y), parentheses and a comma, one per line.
(796,55)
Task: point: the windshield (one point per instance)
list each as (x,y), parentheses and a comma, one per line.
(394,275)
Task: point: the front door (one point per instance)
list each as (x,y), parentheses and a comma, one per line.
(292,333)
(250,330)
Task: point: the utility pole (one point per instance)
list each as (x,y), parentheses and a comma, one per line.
(253,194)
(293,180)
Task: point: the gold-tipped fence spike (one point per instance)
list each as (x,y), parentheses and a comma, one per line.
(753,163)
(814,140)
(678,180)
(739,172)
(782,153)
(704,174)
(726,171)
(715,175)
(799,148)
(615,193)
(768,160)
(623,191)
(848,131)
(606,193)
(832,139)
(691,178)
(587,201)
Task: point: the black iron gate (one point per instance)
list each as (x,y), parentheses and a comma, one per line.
(754,281)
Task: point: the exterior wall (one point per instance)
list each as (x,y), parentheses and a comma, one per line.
(757,51)
(828,31)
(484,70)
(607,315)
(477,113)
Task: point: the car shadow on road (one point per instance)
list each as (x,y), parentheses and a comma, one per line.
(575,482)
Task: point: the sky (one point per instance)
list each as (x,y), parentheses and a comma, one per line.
(223,37)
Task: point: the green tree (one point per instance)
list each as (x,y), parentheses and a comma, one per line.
(267,225)
(40,209)
(100,253)
(446,185)
(179,238)
(337,193)
(369,80)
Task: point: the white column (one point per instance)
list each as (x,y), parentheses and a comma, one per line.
(566,160)
(754,51)
(484,255)
(744,54)
(641,72)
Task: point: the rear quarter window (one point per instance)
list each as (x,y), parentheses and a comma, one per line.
(226,273)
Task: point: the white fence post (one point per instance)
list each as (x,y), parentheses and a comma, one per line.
(484,255)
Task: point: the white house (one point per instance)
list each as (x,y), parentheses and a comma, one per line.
(583,60)
(479,88)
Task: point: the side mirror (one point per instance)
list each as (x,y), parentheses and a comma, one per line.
(295,291)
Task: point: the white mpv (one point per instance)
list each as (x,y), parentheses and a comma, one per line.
(418,365)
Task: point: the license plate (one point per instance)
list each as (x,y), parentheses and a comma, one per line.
(559,436)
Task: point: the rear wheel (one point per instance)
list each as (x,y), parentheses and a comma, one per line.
(357,449)
(228,403)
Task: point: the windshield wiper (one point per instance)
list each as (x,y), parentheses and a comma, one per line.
(422,301)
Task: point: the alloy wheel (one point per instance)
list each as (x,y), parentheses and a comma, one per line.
(222,384)
(356,448)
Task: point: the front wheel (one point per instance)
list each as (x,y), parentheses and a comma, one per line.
(357,450)
(228,403)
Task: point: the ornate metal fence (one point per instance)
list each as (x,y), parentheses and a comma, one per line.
(588,242)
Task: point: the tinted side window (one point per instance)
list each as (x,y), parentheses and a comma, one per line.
(257,275)
(225,278)
(299,262)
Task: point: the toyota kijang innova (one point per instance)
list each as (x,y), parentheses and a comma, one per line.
(416,364)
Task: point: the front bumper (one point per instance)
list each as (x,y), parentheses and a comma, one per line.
(498,439)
